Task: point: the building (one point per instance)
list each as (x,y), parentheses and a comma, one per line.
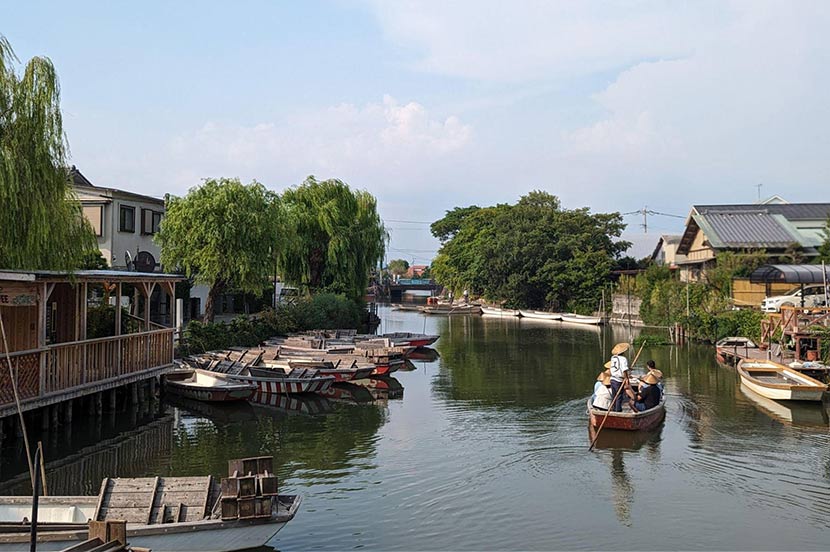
(774,227)
(416,271)
(665,254)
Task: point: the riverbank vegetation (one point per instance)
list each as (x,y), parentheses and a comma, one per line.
(534,254)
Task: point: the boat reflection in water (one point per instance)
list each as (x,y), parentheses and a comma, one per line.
(792,412)
(349,392)
(624,440)
(382,388)
(308,404)
(424,354)
(238,411)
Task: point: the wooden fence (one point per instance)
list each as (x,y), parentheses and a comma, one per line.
(747,294)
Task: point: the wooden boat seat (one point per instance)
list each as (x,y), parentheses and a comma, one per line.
(155,500)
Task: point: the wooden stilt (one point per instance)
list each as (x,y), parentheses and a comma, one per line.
(133,394)
(44,419)
(112,400)
(54,410)
(67,411)
(99,404)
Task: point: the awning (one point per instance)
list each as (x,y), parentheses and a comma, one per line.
(789,274)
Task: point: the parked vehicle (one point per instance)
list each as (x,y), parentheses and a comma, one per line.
(813,297)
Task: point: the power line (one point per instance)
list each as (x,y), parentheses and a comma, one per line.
(645,212)
(407,221)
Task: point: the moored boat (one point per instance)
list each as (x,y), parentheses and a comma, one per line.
(497,311)
(732,347)
(403,339)
(451,310)
(340,371)
(628,421)
(202,385)
(776,381)
(277,382)
(580,319)
(540,315)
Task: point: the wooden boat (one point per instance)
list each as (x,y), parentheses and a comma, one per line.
(790,412)
(540,315)
(163,514)
(277,382)
(627,420)
(451,310)
(202,385)
(410,339)
(340,371)
(776,381)
(730,347)
(496,311)
(580,319)
(382,365)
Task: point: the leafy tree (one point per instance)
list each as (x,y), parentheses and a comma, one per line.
(794,254)
(531,254)
(824,248)
(398,267)
(337,237)
(41,226)
(224,234)
(94,260)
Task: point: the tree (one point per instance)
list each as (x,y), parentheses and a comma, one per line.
(531,254)
(223,234)
(824,247)
(398,267)
(41,225)
(337,237)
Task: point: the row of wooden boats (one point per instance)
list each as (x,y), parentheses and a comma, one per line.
(543,315)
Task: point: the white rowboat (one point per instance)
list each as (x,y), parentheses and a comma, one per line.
(540,315)
(496,311)
(202,385)
(776,381)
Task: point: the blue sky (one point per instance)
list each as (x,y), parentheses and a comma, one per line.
(430,105)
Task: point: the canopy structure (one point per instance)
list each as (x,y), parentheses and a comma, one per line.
(789,274)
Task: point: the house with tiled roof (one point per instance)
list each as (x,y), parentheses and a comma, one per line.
(772,227)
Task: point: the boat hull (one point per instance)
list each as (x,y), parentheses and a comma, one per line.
(288,386)
(578,319)
(628,421)
(492,311)
(782,383)
(539,315)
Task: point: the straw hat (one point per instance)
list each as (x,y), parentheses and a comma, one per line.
(657,373)
(649,378)
(605,377)
(607,365)
(619,348)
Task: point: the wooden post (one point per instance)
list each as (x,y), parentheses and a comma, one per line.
(112,400)
(84,301)
(55,412)
(41,337)
(99,404)
(118,308)
(67,411)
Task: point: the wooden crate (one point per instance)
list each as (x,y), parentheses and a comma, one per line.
(247,507)
(230,487)
(267,485)
(247,486)
(230,508)
(254,465)
(263,507)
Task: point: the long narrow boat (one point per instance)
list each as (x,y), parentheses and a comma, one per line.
(163,514)
(581,319)
(628,421)
(403,339)
(277,382)
(202,385)
(776,381)
(451,310)
(496,311)
(340,371)
(540,315)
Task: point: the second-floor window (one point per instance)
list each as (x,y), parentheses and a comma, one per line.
(94,214)
(150,221)
(126,219)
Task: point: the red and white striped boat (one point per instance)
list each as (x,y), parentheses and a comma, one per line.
(341,372)
(277,382)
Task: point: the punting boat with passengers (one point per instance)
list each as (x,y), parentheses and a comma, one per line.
(581,319)
(627,420)
(540,315)
(776,381)
(163,514)
(498,311)
(202,385)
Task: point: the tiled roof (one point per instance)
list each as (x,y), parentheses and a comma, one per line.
(792,211)
(747,230)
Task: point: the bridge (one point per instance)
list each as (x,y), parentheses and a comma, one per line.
(396,290)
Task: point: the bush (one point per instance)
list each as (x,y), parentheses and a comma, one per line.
(323,311)
(101,322)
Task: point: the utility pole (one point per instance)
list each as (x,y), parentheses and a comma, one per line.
(759,191)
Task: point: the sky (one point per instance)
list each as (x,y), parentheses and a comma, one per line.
(429,105)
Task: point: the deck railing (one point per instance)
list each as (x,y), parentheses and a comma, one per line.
(70,366)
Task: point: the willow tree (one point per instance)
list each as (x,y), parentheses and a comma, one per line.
(337,237)
(41,225)
(223,234)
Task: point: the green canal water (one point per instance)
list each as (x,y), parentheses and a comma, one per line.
(486,447)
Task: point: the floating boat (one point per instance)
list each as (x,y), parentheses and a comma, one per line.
(163,514)
(776,381)
(451,310)
(202,385)
(731,347)
(277,382)
(790,412)
(540,315)
(496,311)
(581,319)
(628,421)
(340,371)
(410,339)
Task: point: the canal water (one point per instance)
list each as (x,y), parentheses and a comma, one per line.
(486,447)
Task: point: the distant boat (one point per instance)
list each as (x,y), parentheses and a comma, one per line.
(409,339)
(581,319)
(540,315)
(202,385)
(627,420)
(776,381)
(452,309)
(496,311)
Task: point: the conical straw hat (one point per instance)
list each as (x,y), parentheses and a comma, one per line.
(619,348)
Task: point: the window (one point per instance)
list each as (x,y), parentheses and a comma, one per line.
(150,221)
(126,219)
(94,214)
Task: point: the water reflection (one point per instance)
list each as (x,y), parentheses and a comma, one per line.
(790,412)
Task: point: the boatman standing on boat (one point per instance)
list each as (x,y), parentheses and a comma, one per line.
(619,374)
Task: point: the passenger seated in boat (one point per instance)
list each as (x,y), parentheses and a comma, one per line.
(619,374)
(652,368)
(601,400)
(647,396)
